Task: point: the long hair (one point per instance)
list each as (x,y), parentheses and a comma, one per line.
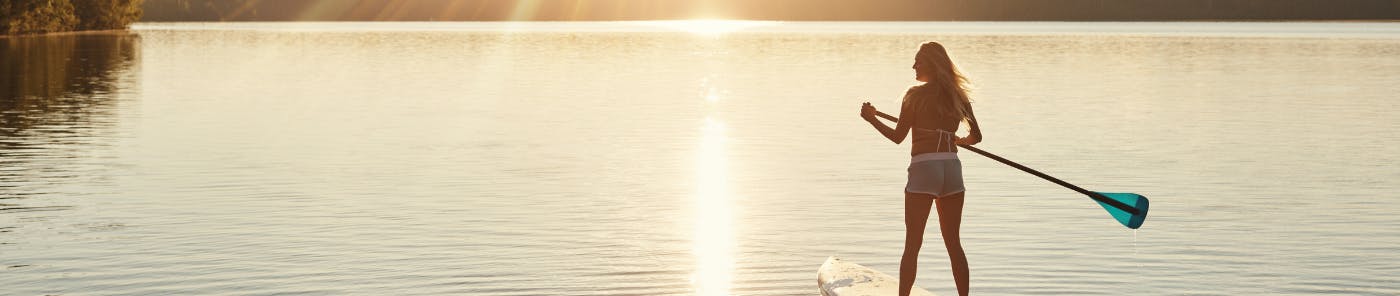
(945,93)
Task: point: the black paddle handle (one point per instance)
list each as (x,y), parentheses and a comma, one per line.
(1094,195)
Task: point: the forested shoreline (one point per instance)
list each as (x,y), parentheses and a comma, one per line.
(50,16)
(779,10)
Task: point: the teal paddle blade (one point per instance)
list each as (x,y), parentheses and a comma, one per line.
(1125,217)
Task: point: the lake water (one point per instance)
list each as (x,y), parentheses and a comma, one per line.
(661,158)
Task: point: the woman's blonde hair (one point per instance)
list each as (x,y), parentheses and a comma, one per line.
(945,93)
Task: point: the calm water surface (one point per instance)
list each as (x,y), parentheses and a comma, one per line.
(669,159)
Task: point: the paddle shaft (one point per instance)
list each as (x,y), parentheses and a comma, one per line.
(1094,195)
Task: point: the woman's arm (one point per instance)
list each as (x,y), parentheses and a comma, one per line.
(974,134)
(901,128)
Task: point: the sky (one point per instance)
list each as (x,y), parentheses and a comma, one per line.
(798,10)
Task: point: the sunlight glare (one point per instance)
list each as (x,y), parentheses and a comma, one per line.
(713,96)
(710,27)
(714,231)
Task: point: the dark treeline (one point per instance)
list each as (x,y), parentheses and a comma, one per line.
(800,10)
(45,16)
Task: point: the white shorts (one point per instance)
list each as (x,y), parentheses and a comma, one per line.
(938,174)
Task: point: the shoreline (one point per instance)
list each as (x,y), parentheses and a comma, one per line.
(65,33)
(1388,30)
(803,21)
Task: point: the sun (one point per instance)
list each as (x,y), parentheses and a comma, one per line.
(710,27)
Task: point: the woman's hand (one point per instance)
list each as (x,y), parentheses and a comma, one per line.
(970,140)
(867,111)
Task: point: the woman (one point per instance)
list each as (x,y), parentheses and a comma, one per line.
(933,110)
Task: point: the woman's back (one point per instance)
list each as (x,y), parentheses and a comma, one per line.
(933,130)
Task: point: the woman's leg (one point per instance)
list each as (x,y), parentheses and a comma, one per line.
(949,219)
(916,208)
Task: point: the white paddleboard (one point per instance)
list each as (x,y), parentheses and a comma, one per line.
(840,278)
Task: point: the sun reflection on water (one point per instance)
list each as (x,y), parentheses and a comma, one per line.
(709,27)
(714,229)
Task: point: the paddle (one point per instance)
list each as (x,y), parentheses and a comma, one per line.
(1130,209)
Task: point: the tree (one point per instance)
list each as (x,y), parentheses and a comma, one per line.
(36,16)
(106,14)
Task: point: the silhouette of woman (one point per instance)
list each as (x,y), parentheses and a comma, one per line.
(932,110)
